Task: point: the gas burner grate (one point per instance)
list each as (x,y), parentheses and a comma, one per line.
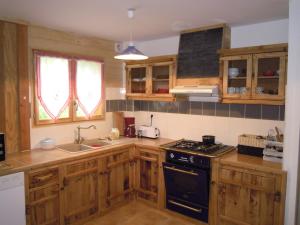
(197,146)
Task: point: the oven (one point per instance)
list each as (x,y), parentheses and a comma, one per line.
(187,181)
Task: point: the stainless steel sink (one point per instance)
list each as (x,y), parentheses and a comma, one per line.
(95,143)
(74,147)
(87,145)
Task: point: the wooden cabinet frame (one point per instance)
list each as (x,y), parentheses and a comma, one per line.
(149,64)
(252,55)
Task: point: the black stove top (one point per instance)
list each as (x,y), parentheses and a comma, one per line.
(197,147)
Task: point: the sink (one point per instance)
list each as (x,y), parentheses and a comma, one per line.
(95,143)
(74,147)
(87,145)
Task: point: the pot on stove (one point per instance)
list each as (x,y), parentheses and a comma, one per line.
(208,139)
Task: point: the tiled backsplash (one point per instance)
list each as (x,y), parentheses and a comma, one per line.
(266,112)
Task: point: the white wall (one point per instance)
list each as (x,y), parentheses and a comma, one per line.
(272,32)
(292,131)
(226,130)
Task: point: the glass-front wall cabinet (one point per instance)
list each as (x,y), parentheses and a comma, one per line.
(137,79)
(161,78)
(254,78)
(237,76)
(269,74)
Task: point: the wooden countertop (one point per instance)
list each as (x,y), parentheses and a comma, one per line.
(31,159)
(250,162)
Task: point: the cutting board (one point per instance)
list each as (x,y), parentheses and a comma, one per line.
(118,121)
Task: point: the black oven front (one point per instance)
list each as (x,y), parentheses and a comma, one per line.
(187,184)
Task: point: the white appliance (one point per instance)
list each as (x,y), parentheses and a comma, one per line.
(12,199)
(198,92)
(148,131)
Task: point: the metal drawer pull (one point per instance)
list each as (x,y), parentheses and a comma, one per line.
(185,206)
(182,171)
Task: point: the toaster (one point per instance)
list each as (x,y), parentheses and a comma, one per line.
(148,131)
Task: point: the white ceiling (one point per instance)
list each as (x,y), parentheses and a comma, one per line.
(153,18)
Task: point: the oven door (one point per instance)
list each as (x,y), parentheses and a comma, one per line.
(186,184)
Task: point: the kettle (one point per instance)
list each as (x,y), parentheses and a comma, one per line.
(130,131)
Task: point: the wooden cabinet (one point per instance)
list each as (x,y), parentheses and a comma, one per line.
(80,190)
(116,178)
(249,197)
(149,181)
(151,79)
(254,75)
(43,197)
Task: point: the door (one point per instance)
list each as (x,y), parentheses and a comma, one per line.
(116,179)
(237,73)
(162,78)
(43,196)
(137,80)
(269,76)
(149,177)
(80,190)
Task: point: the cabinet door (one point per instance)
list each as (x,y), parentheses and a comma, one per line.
(80,194)
(246,198)
(43,197)
(237,73)
(149,177)
(137,80)
(116,176)
(162,78)
(269,76)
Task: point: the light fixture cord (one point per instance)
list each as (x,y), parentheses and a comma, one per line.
(131,16)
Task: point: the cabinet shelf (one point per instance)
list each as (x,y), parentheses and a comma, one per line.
(158,80)
(237,78)
(268,77)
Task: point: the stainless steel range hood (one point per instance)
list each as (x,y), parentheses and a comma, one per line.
(198,92)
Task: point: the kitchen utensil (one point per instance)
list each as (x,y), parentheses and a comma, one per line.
(233,72)
(115,133)
(243,90)
(279,137)
(268,73)
(163,90)
(47,143)
(208,139)
(231,90)
(129,130)
(259,90)
(118,121)
(148,131)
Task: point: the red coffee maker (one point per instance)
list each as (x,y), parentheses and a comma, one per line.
(129,128)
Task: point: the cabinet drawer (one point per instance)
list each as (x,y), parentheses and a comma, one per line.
(43,177)
(258,182)
(44,194)
(230,176)
(81,166)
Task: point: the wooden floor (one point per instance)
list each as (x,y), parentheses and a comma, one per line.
(137,213)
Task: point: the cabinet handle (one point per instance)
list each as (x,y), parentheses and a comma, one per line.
(277,196)
(181,171)
(185,206)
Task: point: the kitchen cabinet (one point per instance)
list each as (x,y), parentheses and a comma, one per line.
(80,190)
(259,76)
(149,181)
(43,197)
(150,79)
(246,196)
(116,179)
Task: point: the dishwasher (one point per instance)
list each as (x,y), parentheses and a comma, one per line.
(12,199)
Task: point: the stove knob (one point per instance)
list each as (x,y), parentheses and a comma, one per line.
(191,159)
(171,155)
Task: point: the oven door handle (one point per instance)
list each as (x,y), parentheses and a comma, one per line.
(181,171)
(185,206)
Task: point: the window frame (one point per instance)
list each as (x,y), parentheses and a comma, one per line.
(72,109)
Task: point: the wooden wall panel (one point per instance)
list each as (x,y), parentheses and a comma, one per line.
(24,106)
(10,89)
(52,40)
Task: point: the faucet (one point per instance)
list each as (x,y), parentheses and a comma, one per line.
(80,139)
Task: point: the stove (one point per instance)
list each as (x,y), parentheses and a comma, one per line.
(187,176)
(198,148)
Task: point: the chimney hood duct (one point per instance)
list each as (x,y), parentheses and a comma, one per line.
(198,93)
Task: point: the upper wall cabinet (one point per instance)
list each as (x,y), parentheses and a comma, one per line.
(254,75)
(198,59)
(150,79)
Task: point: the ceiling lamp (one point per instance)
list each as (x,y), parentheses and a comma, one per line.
(131,53)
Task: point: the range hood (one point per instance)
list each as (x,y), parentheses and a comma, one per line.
(202,93)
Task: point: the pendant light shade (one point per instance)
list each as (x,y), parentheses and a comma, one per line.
(131,53)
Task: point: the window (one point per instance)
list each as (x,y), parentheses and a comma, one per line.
(67,88)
